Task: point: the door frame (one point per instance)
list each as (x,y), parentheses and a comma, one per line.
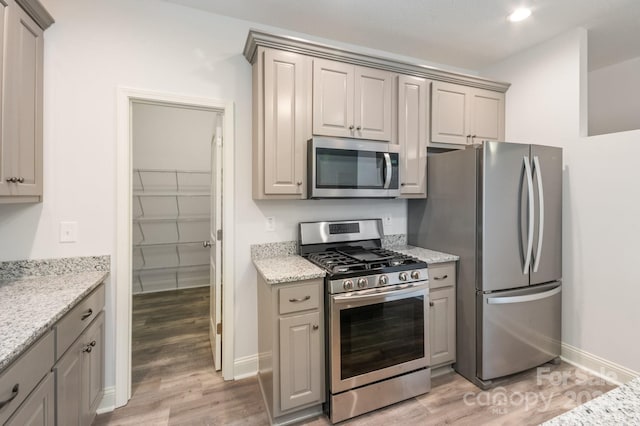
(123,252)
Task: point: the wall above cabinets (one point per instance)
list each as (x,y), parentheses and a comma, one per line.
(301,89)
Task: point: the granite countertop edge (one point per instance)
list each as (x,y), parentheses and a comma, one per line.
(288,268)
(93,280)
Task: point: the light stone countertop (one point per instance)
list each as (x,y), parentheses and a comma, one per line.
(30,306)
(620,406)
(285,269)
(429,256)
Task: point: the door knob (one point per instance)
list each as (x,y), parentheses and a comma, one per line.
(206,244)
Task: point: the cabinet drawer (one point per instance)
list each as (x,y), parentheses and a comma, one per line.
(442,275)
(69,328)
(299,298)
(24,374)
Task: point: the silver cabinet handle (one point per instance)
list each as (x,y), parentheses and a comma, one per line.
(526,298)
(527,262)
(86,315)
(444,277)
(14,392)
(304,299)
(536,164)
(387,170)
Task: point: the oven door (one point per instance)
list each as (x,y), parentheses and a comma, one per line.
(375,335)
(351,168)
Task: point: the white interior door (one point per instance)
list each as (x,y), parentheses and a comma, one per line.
(215,250)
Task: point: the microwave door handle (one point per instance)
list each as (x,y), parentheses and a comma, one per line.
(387,170)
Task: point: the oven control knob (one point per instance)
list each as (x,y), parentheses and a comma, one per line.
(415,275)
(383,280)
(347,284)
(403,276)
(362,283)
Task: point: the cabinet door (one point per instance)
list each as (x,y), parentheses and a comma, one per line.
(301,358)
(413,113)
(487,116)
(285,125)
(38,409)
(333,95)
(372,114)
(23,101)
(69,388)
(92,369)
(442,325)
(5,151)
(450,113)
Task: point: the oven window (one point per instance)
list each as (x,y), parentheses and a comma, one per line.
(381,335)
(349,169)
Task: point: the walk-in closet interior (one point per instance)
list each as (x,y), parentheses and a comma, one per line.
(171,196)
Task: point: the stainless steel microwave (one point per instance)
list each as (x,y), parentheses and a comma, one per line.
(352,168)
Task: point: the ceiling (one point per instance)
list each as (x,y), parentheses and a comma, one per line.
(469,34)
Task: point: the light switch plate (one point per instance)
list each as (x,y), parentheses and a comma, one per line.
(68,232)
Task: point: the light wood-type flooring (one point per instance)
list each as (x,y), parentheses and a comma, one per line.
(174,382)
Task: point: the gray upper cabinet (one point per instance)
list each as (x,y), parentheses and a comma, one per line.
(465,115)
(413,124)
(351,101)
(281,124)
(22,32)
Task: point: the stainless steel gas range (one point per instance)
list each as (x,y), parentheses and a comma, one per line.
(377,304)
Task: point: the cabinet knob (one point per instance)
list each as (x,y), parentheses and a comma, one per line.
(87,348)
(93,343)
(358,128)
(20,180)
(316,326)
(430,303)
(206,244)
(351,127)
(12,180)
(299,183)
(402,184)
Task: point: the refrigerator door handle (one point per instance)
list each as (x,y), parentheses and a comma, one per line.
(527,261)
(536,165)
(521,299)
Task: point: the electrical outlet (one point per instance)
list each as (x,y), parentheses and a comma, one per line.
(68,232)
(270,224)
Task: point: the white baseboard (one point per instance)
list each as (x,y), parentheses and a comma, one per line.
(244,367)
(600,367)
(108,403)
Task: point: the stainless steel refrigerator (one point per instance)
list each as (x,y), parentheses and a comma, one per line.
(499,207)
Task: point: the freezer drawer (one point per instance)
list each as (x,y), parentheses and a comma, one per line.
(518,329)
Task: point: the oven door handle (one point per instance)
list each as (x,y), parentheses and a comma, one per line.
(387,170)
(380,293)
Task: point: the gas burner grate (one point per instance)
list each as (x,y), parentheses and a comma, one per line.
(354,259)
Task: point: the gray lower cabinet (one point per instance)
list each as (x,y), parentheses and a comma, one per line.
(291,349)
(39,408)
(60,378)
(442,314)
(80,378)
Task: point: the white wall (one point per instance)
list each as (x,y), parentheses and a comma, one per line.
(614,98)
(600,203)
(91,50)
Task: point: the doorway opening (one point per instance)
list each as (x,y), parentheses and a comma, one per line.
(170,260)
(173,211)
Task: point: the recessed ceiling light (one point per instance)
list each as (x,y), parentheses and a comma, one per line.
(519,14)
